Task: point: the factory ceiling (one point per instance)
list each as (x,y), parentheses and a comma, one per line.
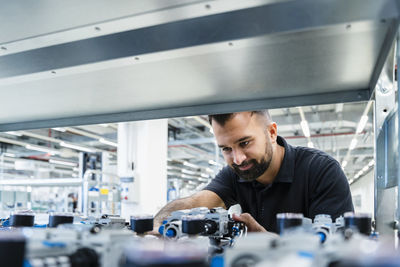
(193,156)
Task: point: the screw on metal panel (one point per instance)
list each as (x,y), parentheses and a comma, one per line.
(383,90)
(207,6)
(53,72)
(4,48)
(348,26)
(380,177)
(97,28)
(230,44)
(136,58)
(384,110)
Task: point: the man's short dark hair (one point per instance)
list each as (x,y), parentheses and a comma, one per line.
(221,119)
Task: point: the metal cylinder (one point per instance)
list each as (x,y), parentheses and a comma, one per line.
(12,249)
(22,219)
(56,219)
(142,224)
(285,221)
(359,221)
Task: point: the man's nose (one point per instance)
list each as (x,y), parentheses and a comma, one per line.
(238,157)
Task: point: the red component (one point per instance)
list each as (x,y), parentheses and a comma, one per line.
(126,198)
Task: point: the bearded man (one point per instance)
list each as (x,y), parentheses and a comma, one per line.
(266,176)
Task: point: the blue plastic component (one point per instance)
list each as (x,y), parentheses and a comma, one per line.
(235,230)
(322,237)
(374,235)
(306,254)
(217,261)
(54,244)
(170,233)
(27,264)
(161,229)
(6,223)
(40,225)
(94,189)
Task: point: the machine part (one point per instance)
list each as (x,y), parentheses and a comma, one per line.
(12,248)
(359,221)
(173,230)
(285,221)
(211,227)
(142,224)
(153,252)
(22,219)
(323,226)
(214,223)
(75,244)
(193,225)
(107,221)
(56,219)
(84,257)
(245,260)
(236,228)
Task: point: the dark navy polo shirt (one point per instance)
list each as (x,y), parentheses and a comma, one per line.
(309,182)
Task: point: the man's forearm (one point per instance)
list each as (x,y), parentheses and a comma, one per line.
(179,204)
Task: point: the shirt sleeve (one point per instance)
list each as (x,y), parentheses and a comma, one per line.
(223,185)
(330,191)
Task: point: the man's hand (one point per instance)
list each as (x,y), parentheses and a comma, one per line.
(251,223)
(154,232)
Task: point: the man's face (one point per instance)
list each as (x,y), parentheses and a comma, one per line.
(245,141)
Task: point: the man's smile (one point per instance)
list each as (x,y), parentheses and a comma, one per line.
(245,167)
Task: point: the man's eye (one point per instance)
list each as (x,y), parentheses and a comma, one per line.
(244,144)
(226,149)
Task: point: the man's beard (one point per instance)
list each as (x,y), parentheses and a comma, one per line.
(257,169)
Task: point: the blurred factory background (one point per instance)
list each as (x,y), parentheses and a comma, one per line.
(138,166)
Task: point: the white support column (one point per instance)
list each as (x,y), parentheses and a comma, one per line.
(142,154)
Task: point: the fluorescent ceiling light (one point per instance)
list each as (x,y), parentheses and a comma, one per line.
(353,144)
(187,171)
(305,128)
(371,163)
(59,129)
(209,170)
(189,165)
(204,175)
(213,162)
(107,142)
(76,147)
(14,133)
(61,162)
(351,181)
(361,124)
(105,125)
(365,168)
(41,149)
(344,163)
(310,144)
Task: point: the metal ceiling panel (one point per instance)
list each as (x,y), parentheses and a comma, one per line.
(275,54)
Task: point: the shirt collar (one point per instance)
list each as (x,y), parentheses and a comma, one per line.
(286,171)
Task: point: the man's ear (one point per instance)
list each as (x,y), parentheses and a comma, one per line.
(272,130)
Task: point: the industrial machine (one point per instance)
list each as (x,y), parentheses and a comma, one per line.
(214,223)
(349,241)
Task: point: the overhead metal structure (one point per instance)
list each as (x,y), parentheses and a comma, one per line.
(83,62)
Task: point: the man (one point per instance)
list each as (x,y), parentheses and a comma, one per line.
(267,176)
